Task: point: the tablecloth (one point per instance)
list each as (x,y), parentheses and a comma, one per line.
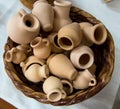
(108,13)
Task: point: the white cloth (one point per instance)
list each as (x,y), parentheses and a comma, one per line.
(109,14)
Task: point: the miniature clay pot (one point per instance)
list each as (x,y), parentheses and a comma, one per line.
(96,34)
(53,87)
(45,13)
(15,55)
(67,86)
(84,80)
(69,36)
(55,48)
(41,47)
(22,27)
(61,16)
(36,72)
(82,57)
(60,65)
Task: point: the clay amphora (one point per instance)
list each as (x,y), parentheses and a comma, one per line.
(82,57)
(62,10)
(22,27)
(15,55)
(41,47)
(84,80)
(45,13)
(53,87)
(69,36)
(55,48)
(60,65)
(93,34)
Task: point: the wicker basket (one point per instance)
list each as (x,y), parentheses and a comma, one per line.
(104,59)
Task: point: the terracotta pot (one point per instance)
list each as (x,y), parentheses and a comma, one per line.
(69,36)
(45,13)
(55,48)
(60,65)
(36,73)
(53,87)
(15,55)
(96,34)
(41,47)
(84,80)
(82,57)
(62,10)
(22,27)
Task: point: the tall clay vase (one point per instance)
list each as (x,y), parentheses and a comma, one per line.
(62,10)
(69,36)
(22,27)
(15,55)
(82,57)
(34,69)
(60,65)
(93,34)
(55,48)
(53,87)
(84,80)
(45,13)
(41,47)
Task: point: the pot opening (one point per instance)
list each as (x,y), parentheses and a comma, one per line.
(29,21)
(84,59)
(55,41)
(55,96)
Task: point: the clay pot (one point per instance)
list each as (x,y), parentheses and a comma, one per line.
(53,87)
(62,10)
(82,57)
(55,48)
(67,86)
(69,36)
(60,65)
(84,80)
(22,27)
(15,55)
(45,13)
(41,47)
(96,34)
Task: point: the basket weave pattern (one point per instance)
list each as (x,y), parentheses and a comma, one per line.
(104,59)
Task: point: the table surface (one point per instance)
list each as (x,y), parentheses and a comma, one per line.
(109,14)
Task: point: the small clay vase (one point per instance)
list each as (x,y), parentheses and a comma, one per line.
(25,48)
(55,48)
(93,34)
(60,65)
(22,27)
(67,86)
(61,16)
(45,13)
(41,47)
(15,55)
(82,57)
(84,80)
(53,87)
(69,36)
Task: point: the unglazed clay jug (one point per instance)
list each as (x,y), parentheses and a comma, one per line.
(69,36)
(41,47)
(22,27)
(82,57)
(53,87)
(45,13)
(60,65)
(15,55)
(96,34)
(55,48)
(34,69)
(67,86)
(84,80)
(62,10)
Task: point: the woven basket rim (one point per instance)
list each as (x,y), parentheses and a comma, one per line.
(78,96)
